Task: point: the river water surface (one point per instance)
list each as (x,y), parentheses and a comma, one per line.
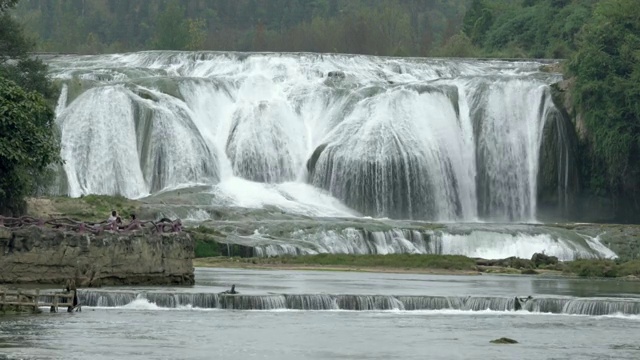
(338,315)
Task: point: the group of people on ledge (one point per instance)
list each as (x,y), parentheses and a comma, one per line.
(115,222)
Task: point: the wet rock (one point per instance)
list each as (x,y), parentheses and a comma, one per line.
(504,340)
(336,74)
(311,163)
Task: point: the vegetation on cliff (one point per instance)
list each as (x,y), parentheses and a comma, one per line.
(606,67)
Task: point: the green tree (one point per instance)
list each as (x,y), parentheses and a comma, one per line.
(197,33)
(15,63)
(172,30)
(606,67)
(28,144)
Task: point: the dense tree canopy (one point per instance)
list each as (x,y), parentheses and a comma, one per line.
(528,28)
(383,27)
(606,67)
(27,141)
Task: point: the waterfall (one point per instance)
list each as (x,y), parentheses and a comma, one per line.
(116,142)
(485,242)
(542,304)
(430,139)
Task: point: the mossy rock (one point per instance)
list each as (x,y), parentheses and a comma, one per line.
(504,340)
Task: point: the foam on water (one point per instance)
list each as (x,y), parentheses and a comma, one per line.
(294,197)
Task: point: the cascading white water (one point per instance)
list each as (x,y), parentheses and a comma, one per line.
(99,142)
(116,142)
(440,140)
(509,137)
(478,243)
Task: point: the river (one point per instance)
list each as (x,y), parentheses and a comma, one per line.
(338,315)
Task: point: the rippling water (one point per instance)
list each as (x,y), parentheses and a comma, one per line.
(144,330)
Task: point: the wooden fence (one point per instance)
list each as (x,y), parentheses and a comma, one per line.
(24,300)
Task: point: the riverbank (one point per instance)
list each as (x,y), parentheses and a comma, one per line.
(271,238)
(432,264)
(44,255)
(426,264)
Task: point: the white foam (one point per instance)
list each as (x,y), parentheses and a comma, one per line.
(495,245)
(291,196)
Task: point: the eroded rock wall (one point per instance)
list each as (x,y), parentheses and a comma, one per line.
(48,256)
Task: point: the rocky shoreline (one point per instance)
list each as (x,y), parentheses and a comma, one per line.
(38,255)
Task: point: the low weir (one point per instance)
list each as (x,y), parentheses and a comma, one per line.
(324,302)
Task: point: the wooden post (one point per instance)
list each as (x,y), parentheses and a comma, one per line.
(19,297)
(3,297)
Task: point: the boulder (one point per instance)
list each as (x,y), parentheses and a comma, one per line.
(336,74)
(504,340)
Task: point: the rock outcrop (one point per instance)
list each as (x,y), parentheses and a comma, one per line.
(50,256)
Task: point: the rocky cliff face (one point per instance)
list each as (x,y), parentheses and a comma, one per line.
(48,256)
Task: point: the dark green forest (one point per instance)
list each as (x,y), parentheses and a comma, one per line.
(598,38)
(382,27)
(484,28)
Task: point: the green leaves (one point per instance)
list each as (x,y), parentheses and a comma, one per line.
(26,133)
(27,143)
(607,89)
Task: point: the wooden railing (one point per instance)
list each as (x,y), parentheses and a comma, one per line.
(22,300)
(67,224)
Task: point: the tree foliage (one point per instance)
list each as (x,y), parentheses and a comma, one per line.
(7,4)
(606,66)
(383,27)
(532,28)
(27,141)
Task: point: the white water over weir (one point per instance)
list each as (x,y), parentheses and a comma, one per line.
(431,139)
(556,305)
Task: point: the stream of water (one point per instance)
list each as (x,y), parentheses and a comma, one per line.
(566,319)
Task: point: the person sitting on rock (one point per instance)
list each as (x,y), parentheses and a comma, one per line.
(232,291)
(134,224)
(519,302)
(113,217)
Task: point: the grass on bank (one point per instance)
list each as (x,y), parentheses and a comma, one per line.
(391,261)
(91,208)
(405,261)
(603,268)
(592,268)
